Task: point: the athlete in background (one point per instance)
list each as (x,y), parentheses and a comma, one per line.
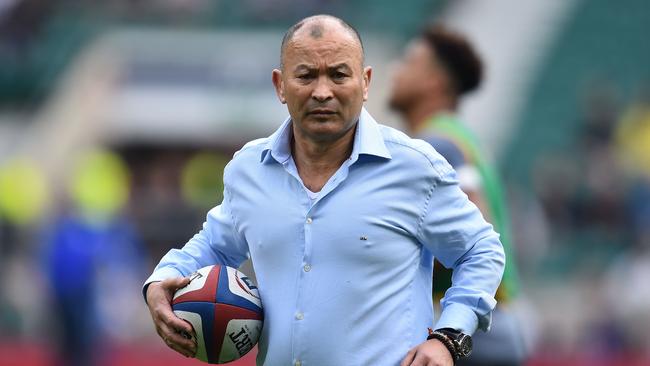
(437,69)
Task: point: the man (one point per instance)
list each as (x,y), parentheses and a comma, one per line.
(438,68)
(335,211)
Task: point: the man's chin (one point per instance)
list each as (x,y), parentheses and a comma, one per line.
(395,105)
(323,118)
(325,129)
(322,122)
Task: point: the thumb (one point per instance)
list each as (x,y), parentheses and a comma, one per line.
(173,284)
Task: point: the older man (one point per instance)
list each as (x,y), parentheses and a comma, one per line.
(341,217)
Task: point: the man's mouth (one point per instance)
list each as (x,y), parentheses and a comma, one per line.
(322,112)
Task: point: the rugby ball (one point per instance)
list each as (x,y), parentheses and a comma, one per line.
(224,308)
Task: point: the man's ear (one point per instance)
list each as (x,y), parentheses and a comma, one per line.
(279,85)
(367,75)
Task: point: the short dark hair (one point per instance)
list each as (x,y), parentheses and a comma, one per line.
(457,56)
(288,36)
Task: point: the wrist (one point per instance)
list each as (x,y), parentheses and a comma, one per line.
(446,341)
(456,342)
(447,344)
(146,292)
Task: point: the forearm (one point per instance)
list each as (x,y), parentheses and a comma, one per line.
(216,243)
(469,301)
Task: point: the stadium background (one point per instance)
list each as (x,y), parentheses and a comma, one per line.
(117,117)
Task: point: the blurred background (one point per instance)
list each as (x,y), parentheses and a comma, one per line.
(117,118)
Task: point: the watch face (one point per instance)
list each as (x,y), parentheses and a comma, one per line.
(465,345)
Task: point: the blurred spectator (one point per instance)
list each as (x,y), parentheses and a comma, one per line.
(24,198)
(625,285)
(633,135)
(20,23)
(599,199)
(160,212)
(596,195)
(633,145)
(91,255)
(202,182)
(626,292)
(582,187)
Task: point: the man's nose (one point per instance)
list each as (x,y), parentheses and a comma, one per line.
(322,90)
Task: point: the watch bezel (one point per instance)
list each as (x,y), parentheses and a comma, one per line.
(465,344)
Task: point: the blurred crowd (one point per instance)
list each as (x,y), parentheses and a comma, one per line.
(595,202)
(581,226)
(73,264)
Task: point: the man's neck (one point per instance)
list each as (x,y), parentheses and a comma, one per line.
(322,153)
(317,161)
(417,116)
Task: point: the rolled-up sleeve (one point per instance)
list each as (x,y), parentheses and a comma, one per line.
(217,243)
(454,230)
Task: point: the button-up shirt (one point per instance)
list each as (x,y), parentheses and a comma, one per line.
(345,279)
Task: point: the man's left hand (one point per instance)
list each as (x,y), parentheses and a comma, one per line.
(429,353)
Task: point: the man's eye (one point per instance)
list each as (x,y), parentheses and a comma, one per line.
(304,76)
(339,75)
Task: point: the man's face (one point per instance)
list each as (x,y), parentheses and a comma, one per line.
(323,82)
(415,76)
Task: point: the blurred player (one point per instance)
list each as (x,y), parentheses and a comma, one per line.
(437,69)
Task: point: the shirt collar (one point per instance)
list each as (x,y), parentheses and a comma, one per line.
(368,140)
(278,145)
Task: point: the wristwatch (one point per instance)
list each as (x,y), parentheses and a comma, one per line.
(459,344)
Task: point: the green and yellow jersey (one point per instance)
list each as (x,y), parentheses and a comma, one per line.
(460,147)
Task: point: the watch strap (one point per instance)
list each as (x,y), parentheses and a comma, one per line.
(446,341)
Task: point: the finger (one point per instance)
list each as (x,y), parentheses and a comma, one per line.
(174,322)
(165,332)
(191,334)
(419,360)
(177,342)
(183,351)
(408,358)
(185,344)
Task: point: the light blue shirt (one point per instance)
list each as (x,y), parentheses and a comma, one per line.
(345,279)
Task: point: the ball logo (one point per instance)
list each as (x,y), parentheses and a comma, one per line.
(241,340)
(196,283)
(195,275)
(247,285)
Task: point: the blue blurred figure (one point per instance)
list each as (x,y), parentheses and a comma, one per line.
(92,242)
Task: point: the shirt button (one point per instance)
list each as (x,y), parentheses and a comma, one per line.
(309,220)
(307,267)
(300,316)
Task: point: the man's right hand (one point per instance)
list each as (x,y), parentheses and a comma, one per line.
(168,326)
(428,353)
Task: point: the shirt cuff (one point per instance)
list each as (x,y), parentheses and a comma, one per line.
(159,275)
(459,317)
